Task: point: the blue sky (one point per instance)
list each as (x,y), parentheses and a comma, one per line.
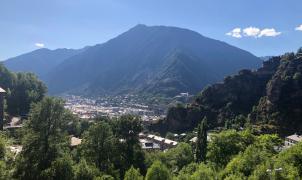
(263,27)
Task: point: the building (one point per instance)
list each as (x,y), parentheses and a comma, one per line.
(149,145)
(2,93)
(292,140)
(75,141)
(164,143)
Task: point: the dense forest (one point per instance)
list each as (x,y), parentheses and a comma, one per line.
(242,148)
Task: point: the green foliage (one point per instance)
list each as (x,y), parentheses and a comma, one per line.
(245,162)
(25,90)
(2,147)
(60,168)
(201,143)
(83,171)
(4,171)
(99,146)
(127,128)
(44,141)
(158,171)
(187,171)
(297,76)
(225,145)
(133,174)
(292,157)
(204,172)
(178,157)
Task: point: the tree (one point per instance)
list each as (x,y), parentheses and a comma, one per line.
(99,146)
(83,171)
(128,128)
(204,172)
(61,169)
(178,157)
(225,145)
(201,143)
(44,139)
(158,171)
(25,90)
(2,147)
(133,174)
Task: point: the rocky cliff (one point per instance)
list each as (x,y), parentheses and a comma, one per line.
(270,98)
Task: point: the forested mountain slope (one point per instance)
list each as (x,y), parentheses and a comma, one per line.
(270,98)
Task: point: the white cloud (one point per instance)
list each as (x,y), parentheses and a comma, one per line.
(40,45)
(236,33)
(269,32)
(299,28)
(251,31)
(255,32)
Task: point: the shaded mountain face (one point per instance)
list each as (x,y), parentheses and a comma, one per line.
(40,61)
(270,98)
(156,60)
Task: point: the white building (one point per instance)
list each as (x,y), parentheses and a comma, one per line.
(292,140)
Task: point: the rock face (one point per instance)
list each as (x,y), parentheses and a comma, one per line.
(281,108)
(271,97)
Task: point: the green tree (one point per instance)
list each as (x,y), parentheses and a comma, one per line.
(83,171)
(4,171)
(133,174)
(204,172)
(61,169)
(127,128)
(99,146)
(25,90)
(158,171)
(44,140)
(178,157)
(186,172)
(201,143)
(2,147)
(225,145)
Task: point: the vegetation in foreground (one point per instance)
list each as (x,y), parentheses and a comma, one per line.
(110,150)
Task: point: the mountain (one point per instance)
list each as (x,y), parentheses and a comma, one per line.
(270,98)
(40,61)
(149,59)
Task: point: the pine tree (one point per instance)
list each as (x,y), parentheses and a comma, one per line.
(201,143)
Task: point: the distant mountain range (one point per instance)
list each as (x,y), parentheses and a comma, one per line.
(146,59)
(40,61)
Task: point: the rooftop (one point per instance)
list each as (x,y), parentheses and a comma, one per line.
(75,141)
(295,137)
(2,90)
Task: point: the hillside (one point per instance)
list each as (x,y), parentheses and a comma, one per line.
(40,61)
(156,60)
(270,97)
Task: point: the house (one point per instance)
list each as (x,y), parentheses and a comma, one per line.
(75,141)
(164,143)
(292,140)
(149,145)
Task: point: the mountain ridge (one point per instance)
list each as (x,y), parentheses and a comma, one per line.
(148,59)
